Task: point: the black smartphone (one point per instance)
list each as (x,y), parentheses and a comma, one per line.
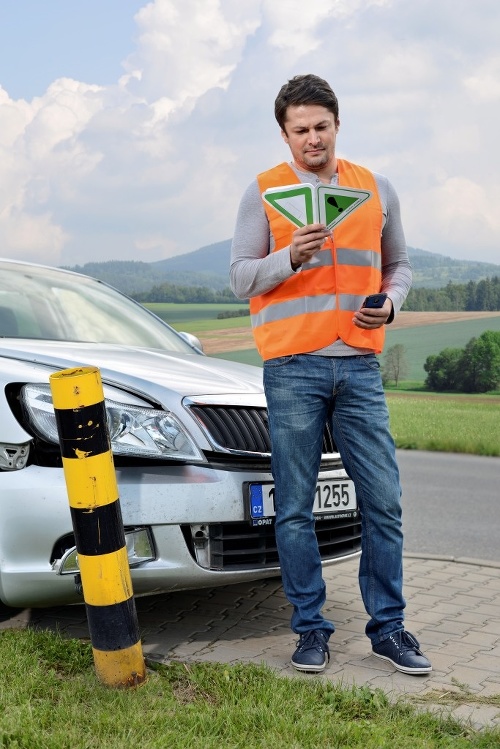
(375,301)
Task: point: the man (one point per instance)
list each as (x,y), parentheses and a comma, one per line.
(318,342)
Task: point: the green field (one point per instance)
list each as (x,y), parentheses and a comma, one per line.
(445,423)
(197,318)
(419,342)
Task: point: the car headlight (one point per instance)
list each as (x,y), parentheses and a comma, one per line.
(134,430)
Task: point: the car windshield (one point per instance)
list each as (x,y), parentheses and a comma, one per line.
(50,304)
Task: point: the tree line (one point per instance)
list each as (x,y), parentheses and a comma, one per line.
(474,296)
(168,292)
(472,369)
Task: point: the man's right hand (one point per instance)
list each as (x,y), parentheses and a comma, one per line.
(306,242)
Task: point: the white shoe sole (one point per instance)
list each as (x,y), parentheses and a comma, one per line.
(404,669)
(309,669)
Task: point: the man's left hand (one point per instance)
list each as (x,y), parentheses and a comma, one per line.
(371,318)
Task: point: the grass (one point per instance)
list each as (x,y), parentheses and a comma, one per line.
(446,423)
(51,699)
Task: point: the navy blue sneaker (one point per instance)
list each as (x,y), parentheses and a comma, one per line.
(312,652)
(403,651)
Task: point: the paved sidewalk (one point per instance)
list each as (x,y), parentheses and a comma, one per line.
(453,608)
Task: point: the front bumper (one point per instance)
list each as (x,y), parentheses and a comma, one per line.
(196,515)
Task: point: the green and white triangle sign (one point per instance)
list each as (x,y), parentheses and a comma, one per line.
(336,203)
(306,204)
(297,203)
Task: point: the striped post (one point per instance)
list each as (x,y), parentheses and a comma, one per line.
(97,523)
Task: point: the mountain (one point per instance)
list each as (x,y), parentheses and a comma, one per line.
(209,266)
(433,271)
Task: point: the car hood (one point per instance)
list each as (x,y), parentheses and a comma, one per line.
(143,370)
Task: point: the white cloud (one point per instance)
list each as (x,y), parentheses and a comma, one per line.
(155,164)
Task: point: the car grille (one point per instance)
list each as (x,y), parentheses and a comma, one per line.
(243,429)
(240,546)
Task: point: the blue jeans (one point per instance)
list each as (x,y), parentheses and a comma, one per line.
(302,392)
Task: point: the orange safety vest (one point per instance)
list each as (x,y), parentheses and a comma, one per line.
(313,308)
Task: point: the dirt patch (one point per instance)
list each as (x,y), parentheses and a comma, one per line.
(238,339)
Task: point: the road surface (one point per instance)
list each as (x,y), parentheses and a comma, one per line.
(451,504)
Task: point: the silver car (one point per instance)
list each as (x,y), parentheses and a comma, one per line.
(190,445)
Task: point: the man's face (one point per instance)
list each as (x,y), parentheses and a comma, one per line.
(311,132)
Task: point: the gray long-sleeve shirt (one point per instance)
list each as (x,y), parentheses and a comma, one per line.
(255,269)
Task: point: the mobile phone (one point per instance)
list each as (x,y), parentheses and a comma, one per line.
(375,301)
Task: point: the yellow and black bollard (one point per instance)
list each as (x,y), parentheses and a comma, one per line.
(98,526)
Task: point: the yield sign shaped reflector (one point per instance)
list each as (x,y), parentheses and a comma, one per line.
(306,204)
(336,203)
(297,203)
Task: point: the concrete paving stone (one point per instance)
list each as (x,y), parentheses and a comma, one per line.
(476,619)
(355,645)
(267,625)
(339,579)
(423,616)
(190,623)
(486,662)
(467,600)
(491,609)
(477,715)
(452,626)
(461,651)
(493,582)
(264,644)
(401,685)
(428,637)
(444,663)
(438,576)
(489,689)
(155,645)
(423,600)
(492,626)
(460,585)
(355,625)
(338,616)
(274,603)
(266,608)
(447,608)
(212,612)
(345,597)
(477,574)
(485,640)
(472,678)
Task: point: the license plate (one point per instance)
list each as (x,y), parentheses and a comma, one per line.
(331,497)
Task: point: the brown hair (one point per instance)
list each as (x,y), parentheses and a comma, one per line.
(305,89)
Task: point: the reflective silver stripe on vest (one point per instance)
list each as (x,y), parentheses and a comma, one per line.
(364,258)
(359,258)
(321,258)
(305,305)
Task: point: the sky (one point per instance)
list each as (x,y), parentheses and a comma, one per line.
(129,130)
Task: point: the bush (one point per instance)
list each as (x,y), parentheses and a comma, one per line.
(474,369)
